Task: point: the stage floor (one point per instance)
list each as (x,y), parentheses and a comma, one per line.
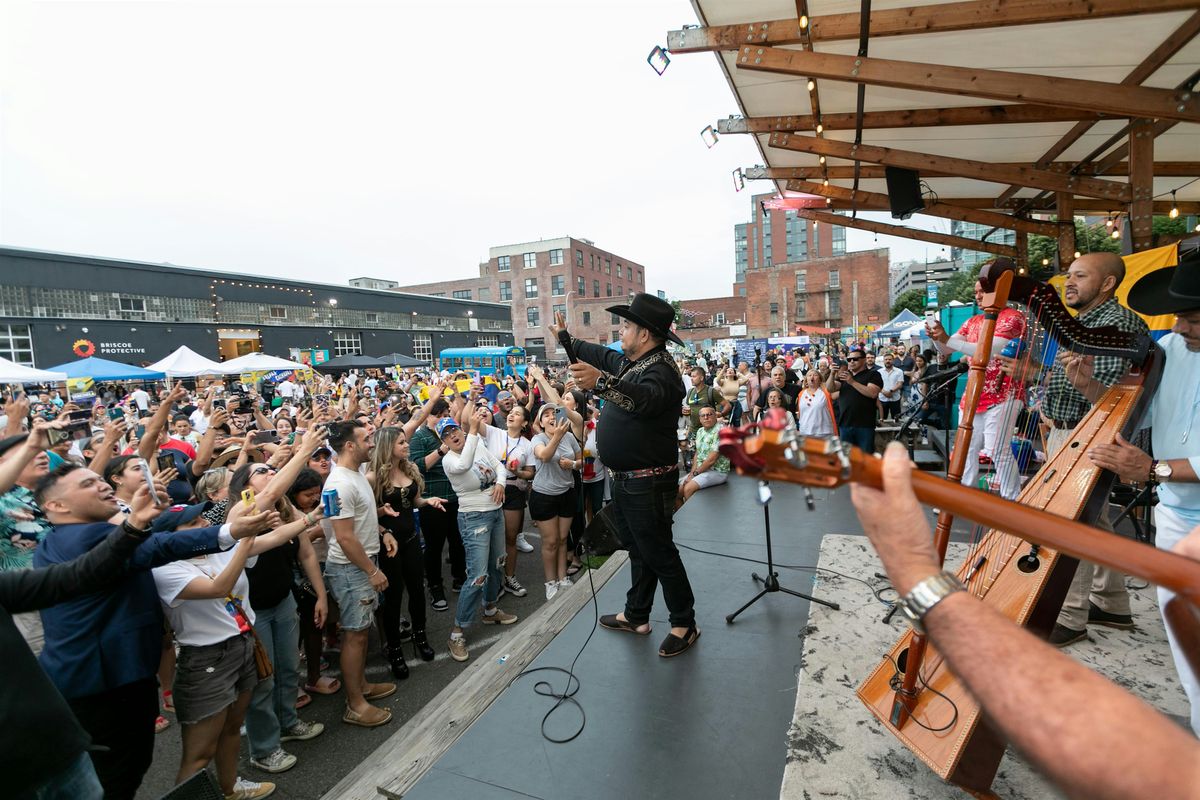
(709,724)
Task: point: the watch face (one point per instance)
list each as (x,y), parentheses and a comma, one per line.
(1162,470)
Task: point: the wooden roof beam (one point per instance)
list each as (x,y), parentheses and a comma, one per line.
(875,200)
(908,233)
(1113,98)
(946,165)
(1162,169)
(1044,205)
(974,15)
(1016,113)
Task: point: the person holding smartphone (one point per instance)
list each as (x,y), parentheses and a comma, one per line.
(553,498)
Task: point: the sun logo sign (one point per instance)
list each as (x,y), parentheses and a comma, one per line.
(84,348)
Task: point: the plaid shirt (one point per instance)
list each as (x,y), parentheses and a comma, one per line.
(1063,402)
(424,442)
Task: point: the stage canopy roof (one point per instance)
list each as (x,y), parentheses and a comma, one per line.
(101,369)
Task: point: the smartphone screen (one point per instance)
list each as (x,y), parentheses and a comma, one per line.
(265,437)
(165,462)
(116,413)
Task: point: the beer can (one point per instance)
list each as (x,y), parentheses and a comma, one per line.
(329,502)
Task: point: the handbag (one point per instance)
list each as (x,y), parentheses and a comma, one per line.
(600,537)
(262,661)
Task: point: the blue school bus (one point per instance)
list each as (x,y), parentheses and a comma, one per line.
(494,361)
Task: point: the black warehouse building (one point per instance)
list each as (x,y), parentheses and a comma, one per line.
(56,307)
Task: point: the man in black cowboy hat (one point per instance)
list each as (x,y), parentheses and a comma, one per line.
(1174,422)
(643,391)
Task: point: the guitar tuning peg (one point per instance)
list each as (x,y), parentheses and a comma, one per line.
(808,499)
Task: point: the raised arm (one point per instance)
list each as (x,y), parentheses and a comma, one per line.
(205,588)
(148,445)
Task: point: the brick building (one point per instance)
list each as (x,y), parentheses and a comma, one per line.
(711,318)
(779,236)
(539,278)
(843,291)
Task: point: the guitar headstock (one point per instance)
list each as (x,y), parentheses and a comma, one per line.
(778,452)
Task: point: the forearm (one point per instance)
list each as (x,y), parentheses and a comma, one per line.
(1004,666)
(311,567)
(865,389)
(352,548)
(599,357)
(103,456)
(33,589)
(281,535)
(707,464)
(12,468)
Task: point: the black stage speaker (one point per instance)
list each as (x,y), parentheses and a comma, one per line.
(904,192)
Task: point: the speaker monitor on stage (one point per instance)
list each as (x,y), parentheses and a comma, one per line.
(904,192)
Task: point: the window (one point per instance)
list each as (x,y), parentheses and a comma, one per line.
(742,291)
(488,340)
(505,291)
(278,312)
(485,294)
(530,260)
(774,314)
(558,285)
(582,287)
(132,305)
(608,266)
(604,340)
(531,343)
(423,347)
(437,294)
(559,310)
(595,288)
(347,343)
(372,317)
(532,317)
(579,258)
(531,287)
(616,335)
(839,241)
(639,276)
(835,306)
(592,260)
(462,294)
(618,269)
(620,291)
(504,263)
(555,258)
(719,319)
(801,280)
(16,344)
(835,279)
(608,290)
(800,308)
(587,318)
(615,319)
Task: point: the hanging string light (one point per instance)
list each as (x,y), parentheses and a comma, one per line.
(820,127)
(811,84)
(1174,213)
(803,21)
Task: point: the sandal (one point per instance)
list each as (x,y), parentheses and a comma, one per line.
(614,623)
(161,724)
(673,645)
(168,702)
(382,716)
(302,700)
(324,685)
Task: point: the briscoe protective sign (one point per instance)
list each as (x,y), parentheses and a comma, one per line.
(85,348)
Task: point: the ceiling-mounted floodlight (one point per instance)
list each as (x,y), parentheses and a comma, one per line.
(658,60)
(739,180)
(709,137)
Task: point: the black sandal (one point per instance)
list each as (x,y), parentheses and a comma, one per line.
(614,623)
(673,645)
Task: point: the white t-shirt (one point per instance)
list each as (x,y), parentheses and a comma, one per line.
(358,504)
(141,398)
(202,622)
(286,389)
(473,473)
(812,414)
(505,449)
(893,379)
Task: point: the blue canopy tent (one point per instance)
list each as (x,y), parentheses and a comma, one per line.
(895,326)
(99,369)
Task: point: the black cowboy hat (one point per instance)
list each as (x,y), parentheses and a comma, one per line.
(652,313)
(1169,290)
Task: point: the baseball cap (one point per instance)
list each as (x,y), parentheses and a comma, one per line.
(322,449)
(445,424)
(178,515)
(503,396)
(11,442)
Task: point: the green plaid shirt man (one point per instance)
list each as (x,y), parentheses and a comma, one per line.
(424,442)
(1063,402)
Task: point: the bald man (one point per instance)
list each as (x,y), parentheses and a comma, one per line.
(1097,595)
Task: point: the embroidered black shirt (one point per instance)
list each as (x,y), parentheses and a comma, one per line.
(637,429)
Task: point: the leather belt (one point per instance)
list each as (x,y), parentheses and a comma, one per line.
(650,472)
(1061,425)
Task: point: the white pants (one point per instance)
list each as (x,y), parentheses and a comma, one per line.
(1169,529)
(993,432)
(710,478)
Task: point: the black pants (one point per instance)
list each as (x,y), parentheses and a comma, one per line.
(644,508)
(439,529)
(891,409)
(403,571)
(121,720)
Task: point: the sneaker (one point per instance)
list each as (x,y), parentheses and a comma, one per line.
(523,545)
(514,587)
(564,583)
(279,761)
(249,790)
(1062,636)
(456,585)
(302,731)
(551,589)
(458,648)
(1098,616)
(499,618)
(437,598)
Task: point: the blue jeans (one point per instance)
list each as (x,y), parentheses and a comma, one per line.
(483,540)
(862,438)
(273,705)
(355,596)
(76,782)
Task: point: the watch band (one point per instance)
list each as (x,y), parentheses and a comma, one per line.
(927,594)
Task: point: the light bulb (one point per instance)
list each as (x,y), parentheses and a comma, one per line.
(825,182)
(1045,262)
(1116,234)
(821,159)
(820,127)
(803,21)
(1108,222)
(811,84)
(1077,254)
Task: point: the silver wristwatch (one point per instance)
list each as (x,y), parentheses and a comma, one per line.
(927,594)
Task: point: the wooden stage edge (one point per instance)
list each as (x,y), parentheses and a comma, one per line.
(396,765)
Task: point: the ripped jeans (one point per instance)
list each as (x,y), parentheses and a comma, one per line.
(483,539)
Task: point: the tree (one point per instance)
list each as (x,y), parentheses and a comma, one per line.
(960,287)
(913,300)
(678,306)
(1088,239)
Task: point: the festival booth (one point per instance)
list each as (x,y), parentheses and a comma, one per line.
(13,373)
(85,373)
(187,363)
(351,362)
(401,360)
(893,328)
(258,367)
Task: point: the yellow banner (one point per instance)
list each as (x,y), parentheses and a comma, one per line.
(1138,265)
(79,384)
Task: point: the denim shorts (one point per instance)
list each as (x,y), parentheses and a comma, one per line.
(209,678)
(356,597)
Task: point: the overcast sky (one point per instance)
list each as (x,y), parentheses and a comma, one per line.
(327,140)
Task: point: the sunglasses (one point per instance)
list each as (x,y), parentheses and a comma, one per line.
(854,358)
(261,470)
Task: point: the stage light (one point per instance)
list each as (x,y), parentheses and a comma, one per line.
(811,84)
(658,60)
(1174,213)
(739,180)
(709,137)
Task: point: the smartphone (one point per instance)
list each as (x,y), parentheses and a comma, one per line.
(140,431)
(265,437)
(149,479)
(248,496)
(560,415)
(322,401)
(218,403)
(292,437)
(115,413)
(165,462)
